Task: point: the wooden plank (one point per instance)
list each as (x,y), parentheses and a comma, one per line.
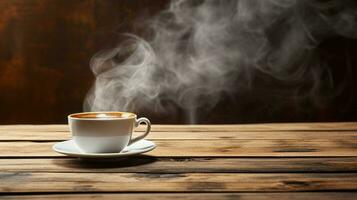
(327,126)
(148,164)
(293,135)
(157,182)
(210,148)
(22,135)
(195,196)
(35,128)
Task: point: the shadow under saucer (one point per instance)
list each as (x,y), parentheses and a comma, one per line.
(104,163)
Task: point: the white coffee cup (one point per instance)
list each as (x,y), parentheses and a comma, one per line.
(105,132)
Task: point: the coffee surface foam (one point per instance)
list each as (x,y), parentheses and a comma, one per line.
(103,115)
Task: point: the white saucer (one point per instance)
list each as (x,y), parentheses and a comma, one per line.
(69,148)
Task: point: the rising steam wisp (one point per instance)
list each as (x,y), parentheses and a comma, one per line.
(201,50)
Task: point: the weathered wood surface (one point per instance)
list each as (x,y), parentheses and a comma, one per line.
(327,126)
(211,143)
(195,196)
(207,135)
(209,148)
(198,161)
(149,164)
(182,182)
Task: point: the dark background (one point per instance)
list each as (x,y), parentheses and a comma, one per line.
(46,45)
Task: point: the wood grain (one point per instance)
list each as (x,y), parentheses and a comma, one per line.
(209,148)
(209,135)
(148,164)
(326,126)
(184,182)
(291,159)
(195,196)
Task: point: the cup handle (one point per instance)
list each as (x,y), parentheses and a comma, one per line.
(148,128)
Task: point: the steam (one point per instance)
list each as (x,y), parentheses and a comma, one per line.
(201,50)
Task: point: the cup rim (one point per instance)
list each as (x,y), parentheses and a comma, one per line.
(71,116)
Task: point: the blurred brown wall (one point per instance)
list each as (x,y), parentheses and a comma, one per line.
(45,47)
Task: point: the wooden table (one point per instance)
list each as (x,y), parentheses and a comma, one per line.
(263,161)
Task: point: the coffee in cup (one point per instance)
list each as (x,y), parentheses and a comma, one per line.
(105,132)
